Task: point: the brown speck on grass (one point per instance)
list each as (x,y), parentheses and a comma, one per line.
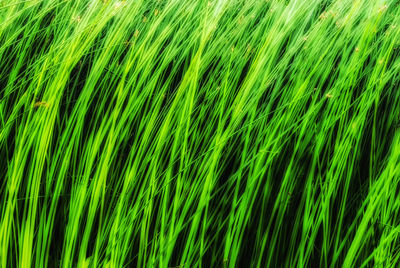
(323,16)
(127,43)
(41,104)
(77,19)
(249,49)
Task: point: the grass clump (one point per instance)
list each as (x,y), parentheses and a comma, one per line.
(199,133)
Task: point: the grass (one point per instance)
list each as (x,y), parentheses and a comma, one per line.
(224,133)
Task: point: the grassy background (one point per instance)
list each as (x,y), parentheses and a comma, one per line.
(224,133)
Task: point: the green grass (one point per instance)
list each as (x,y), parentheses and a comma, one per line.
(224,133)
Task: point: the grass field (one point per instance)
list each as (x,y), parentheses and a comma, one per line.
(192,133)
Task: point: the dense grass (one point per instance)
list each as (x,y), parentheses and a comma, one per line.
(227,133)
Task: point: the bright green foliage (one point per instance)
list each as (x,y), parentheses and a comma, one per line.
(223,133)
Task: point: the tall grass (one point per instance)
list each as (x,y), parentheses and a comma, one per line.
(224,133)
